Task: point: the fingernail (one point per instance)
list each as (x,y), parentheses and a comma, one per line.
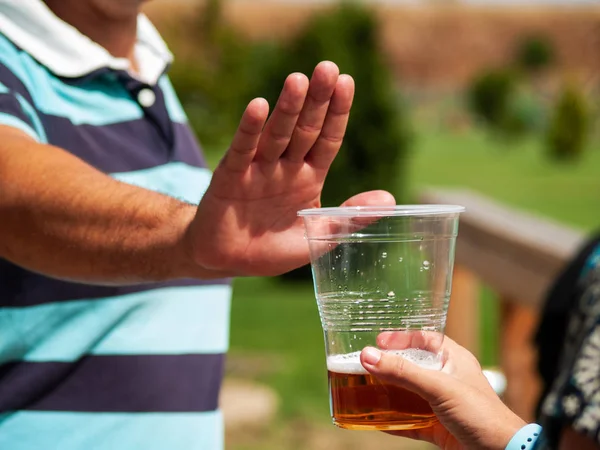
(371,356)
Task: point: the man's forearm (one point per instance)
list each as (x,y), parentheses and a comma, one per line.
(62,218)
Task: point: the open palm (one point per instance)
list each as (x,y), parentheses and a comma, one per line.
(247,222)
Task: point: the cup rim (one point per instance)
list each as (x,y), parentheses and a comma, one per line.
(383,211)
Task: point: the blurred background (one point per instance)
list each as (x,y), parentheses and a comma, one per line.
(490,104)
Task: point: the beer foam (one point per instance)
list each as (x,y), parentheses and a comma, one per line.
(349,363)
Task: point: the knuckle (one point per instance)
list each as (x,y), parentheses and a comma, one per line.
(399,366)
(279,137)
(333,139)
(308,128)
(289,107)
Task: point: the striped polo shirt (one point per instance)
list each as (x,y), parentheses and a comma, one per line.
(86,367)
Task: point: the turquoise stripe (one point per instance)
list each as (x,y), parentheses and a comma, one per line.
(176,179)
(100,102)
(32,430)
(180,320)
(12,121)
(173,105)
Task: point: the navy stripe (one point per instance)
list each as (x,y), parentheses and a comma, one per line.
(90,77)
(10,105)
(23,288)
(182,383)
(116,147)
(123,147)
(11,81)
(186,147)
(159,115)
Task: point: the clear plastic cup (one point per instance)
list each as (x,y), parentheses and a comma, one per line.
(382,277)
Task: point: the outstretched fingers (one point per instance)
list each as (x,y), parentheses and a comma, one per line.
(307,124)
(310,123)
(330,139)
(244,145)
(280,127)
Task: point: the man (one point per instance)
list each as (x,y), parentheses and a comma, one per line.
(114,285)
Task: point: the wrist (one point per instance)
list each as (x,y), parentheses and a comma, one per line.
(525,438)
(507,426)
(184,265)
(188,265)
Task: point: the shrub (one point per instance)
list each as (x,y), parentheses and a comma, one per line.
(502,98)
(377,137)
(534,53)
(491,98)
(568,129)
(217,79)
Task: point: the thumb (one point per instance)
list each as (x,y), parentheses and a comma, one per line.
(371,198)
(431,385)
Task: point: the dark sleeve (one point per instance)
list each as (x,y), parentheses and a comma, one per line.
(574,397)
(561,300)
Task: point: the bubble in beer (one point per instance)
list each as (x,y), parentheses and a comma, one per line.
(426,265)
(384,255)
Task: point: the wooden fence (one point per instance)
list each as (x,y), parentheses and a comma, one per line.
(518,255)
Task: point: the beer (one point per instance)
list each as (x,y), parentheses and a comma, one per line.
(360,401)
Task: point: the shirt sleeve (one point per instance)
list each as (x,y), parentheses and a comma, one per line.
(17,112)
(574,400)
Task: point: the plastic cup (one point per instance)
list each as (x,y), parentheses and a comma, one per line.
(382,277)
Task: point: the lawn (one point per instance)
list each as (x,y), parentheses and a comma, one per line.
(276,336)
(517,173)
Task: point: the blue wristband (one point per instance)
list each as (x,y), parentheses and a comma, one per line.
(525,438)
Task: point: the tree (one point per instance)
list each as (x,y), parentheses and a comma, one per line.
(568,130)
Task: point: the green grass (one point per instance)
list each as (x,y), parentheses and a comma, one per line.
(278,324)
(518,174)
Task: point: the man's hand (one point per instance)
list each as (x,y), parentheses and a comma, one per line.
(65,219)
(247,222)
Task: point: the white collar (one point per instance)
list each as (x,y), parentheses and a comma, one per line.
(66,52)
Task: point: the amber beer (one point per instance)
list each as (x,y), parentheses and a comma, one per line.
(359,401)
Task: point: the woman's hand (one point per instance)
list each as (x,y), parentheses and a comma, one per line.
(471,415)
